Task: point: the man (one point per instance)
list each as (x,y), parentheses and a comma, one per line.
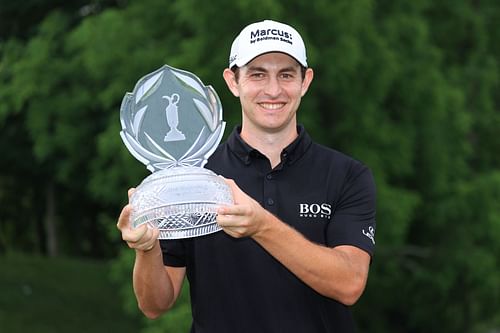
(297,243)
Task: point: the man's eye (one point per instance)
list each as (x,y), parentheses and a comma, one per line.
(258,75)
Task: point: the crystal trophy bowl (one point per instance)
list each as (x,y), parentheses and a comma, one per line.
(172,123)
(182,202)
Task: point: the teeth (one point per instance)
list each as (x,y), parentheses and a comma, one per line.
(272,106)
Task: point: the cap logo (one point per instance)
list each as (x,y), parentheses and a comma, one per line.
(270,34)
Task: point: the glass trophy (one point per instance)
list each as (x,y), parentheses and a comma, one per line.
(172,123)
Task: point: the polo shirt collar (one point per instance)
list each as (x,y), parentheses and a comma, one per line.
(290,154)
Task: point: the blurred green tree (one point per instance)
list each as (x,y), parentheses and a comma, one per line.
(409,88)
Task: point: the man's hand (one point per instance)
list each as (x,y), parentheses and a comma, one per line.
(143,238)
(245,218)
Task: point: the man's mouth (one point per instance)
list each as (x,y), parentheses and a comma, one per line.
(272,106)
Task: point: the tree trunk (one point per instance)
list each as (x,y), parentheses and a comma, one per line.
(50,221)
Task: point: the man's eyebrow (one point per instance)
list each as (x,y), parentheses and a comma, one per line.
(262,69)
(289,69)
(256,69)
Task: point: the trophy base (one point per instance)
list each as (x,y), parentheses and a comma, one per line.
(181,202)
(205,229)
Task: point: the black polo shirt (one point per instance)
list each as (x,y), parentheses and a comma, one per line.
(236,286)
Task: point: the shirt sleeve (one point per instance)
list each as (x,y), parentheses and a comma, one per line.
(174,252)
(353,222)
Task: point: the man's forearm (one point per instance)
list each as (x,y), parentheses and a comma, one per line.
(339,273)
(153,287)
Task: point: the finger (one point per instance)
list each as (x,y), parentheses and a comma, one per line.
(232,210)
(156,233)
(234,231)
(231,183)
(124,218)
(153,234)
(150,240)
(148,246)
(135,235)
(222,220)
(130,192)
(229,220)
(239,197)
(222,210)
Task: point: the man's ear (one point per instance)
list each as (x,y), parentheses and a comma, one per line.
(230,79)
(307,80)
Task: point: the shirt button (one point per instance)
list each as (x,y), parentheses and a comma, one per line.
(269,176)
(270,201)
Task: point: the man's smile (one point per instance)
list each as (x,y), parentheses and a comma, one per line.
(272,106)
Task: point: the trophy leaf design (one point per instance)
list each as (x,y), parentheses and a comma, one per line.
(148,87)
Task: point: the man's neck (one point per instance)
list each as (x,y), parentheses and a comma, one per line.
(271,144)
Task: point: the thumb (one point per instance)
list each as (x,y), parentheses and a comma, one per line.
(238,193)
(130,192)
(124,219)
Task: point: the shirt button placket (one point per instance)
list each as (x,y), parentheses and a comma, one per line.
(270,193)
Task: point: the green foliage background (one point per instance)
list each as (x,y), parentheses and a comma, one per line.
(411,88)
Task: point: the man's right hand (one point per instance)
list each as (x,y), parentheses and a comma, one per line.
(143,238)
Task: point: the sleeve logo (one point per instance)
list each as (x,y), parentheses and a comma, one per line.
(370,234)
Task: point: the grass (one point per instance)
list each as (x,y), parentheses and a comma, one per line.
(41,295)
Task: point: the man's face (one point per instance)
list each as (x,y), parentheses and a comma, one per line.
(270,88)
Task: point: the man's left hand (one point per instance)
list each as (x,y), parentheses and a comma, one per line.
(243,219)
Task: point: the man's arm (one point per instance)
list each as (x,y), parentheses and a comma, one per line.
(339,273)
(156,286)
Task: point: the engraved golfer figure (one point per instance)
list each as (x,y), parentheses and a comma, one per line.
(173,119)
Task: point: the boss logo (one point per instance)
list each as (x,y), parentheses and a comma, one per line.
(323,210)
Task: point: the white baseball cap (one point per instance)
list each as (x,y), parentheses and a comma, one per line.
(267,36)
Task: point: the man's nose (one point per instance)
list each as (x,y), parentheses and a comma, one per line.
(273,87)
